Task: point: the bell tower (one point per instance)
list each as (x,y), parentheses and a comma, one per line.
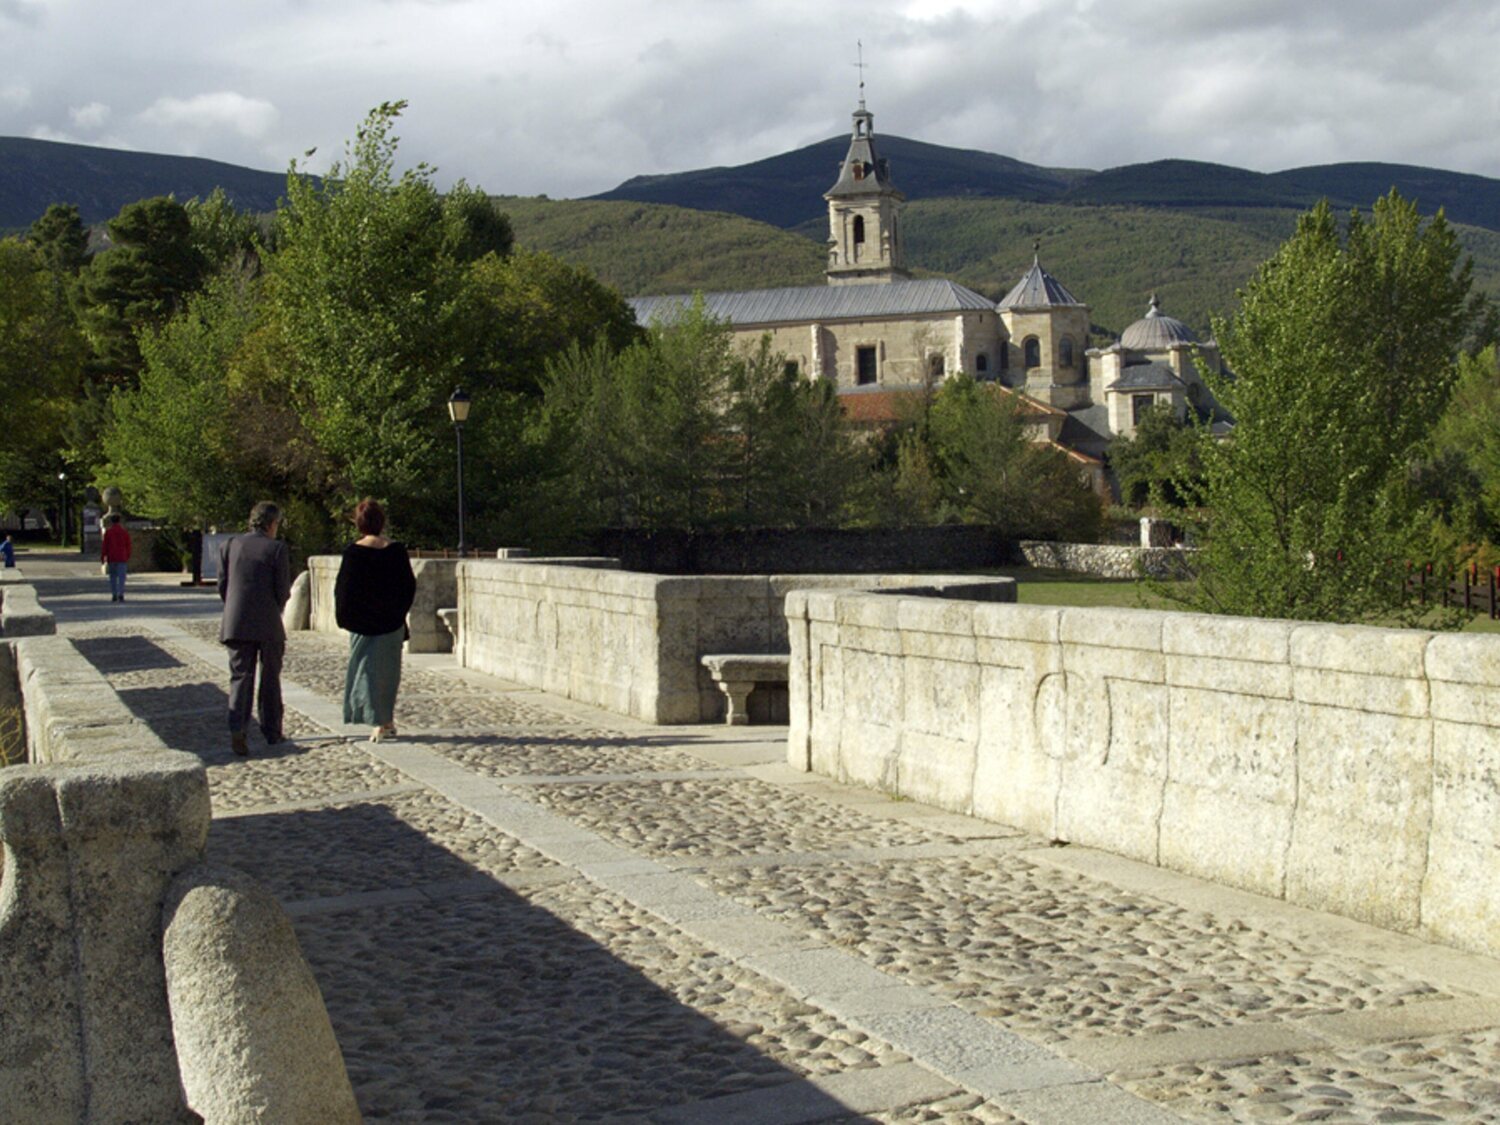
(864,230)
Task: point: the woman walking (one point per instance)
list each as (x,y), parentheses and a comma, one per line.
(371,598)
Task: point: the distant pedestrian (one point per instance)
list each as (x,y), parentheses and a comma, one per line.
(255,580)
(371,598)
(114,553)
(8,549)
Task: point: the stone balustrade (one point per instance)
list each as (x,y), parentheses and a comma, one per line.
(1340,768)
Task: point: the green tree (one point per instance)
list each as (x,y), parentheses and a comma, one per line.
(140,281)
(224,235)
(533,306)
(682,430)
(991,470)
(41,357)
(791,460)
(174,441)
(376,315)
(1462,474)
(61,239)
(1158,467)
(1343,357)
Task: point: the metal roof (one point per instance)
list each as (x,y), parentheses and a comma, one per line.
(1038,290)
(1146,376)
(1156,331)
(809,303)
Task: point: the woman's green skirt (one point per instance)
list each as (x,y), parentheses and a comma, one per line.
(372,679)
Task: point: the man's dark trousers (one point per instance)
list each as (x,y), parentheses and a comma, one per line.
(243,656)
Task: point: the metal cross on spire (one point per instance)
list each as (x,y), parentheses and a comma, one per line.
(860,47)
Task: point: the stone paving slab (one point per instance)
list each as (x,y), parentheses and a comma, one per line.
(534,910)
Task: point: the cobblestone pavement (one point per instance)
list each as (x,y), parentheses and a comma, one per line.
(529,910)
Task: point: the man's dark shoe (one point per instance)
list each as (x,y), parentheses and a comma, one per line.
(274,739)
(239,745)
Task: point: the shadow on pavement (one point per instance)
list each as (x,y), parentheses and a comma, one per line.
(486,1004)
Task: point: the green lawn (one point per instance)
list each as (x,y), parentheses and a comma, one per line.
(1060,587)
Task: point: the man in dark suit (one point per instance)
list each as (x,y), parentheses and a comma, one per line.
(255,580)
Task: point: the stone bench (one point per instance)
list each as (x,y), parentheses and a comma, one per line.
(739,674)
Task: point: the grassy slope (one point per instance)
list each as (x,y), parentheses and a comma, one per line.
(643,248)
(1113,258)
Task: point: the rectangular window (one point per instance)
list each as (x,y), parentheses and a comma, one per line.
(1139,404)
(790,369)
(864,365)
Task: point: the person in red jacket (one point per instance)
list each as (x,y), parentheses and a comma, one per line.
(114,552)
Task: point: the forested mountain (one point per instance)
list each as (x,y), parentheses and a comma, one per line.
(1111,257)
(1192,232)
(787,190)
(99,181)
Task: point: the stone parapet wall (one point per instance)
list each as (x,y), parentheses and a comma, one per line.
(1107,560)
(96,829)
(21,613)
(437,588)
(1340,768)
(632,642)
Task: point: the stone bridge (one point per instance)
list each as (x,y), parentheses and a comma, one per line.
(529,908)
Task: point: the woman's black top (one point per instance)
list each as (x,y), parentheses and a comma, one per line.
(374,590)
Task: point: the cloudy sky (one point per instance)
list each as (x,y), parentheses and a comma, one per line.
(569,97)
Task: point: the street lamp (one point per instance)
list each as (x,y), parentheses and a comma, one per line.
(62,481)
(458,410)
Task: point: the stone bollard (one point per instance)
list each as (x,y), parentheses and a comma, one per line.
(253,1038)
(297,614)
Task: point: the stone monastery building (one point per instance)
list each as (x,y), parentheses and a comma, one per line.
(876,332)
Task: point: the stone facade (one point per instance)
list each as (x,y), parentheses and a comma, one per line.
(883,330)
(633,642)
(1340,768)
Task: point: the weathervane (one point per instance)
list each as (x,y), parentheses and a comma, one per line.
(860,47)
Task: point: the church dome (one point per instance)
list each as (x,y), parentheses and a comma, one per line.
(1156,332)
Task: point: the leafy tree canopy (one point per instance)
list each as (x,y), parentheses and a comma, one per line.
(1343,358)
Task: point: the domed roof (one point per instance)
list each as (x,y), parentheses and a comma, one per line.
(1156,331)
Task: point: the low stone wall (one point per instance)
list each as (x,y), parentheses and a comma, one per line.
(21,614)
(631,642)
(883,550)
(1107,560)
(1341,768)
(96,830)
(437,588)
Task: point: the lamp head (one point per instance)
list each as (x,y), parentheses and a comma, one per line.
(458,406)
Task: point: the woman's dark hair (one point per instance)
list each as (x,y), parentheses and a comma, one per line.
(369,517)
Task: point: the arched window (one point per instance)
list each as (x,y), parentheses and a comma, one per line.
(1065,352)
(1033,349)
(981,362)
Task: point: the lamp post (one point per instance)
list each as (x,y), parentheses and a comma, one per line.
(458,410)
(62,481)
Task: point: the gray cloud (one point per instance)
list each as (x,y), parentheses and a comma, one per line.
(572,97)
